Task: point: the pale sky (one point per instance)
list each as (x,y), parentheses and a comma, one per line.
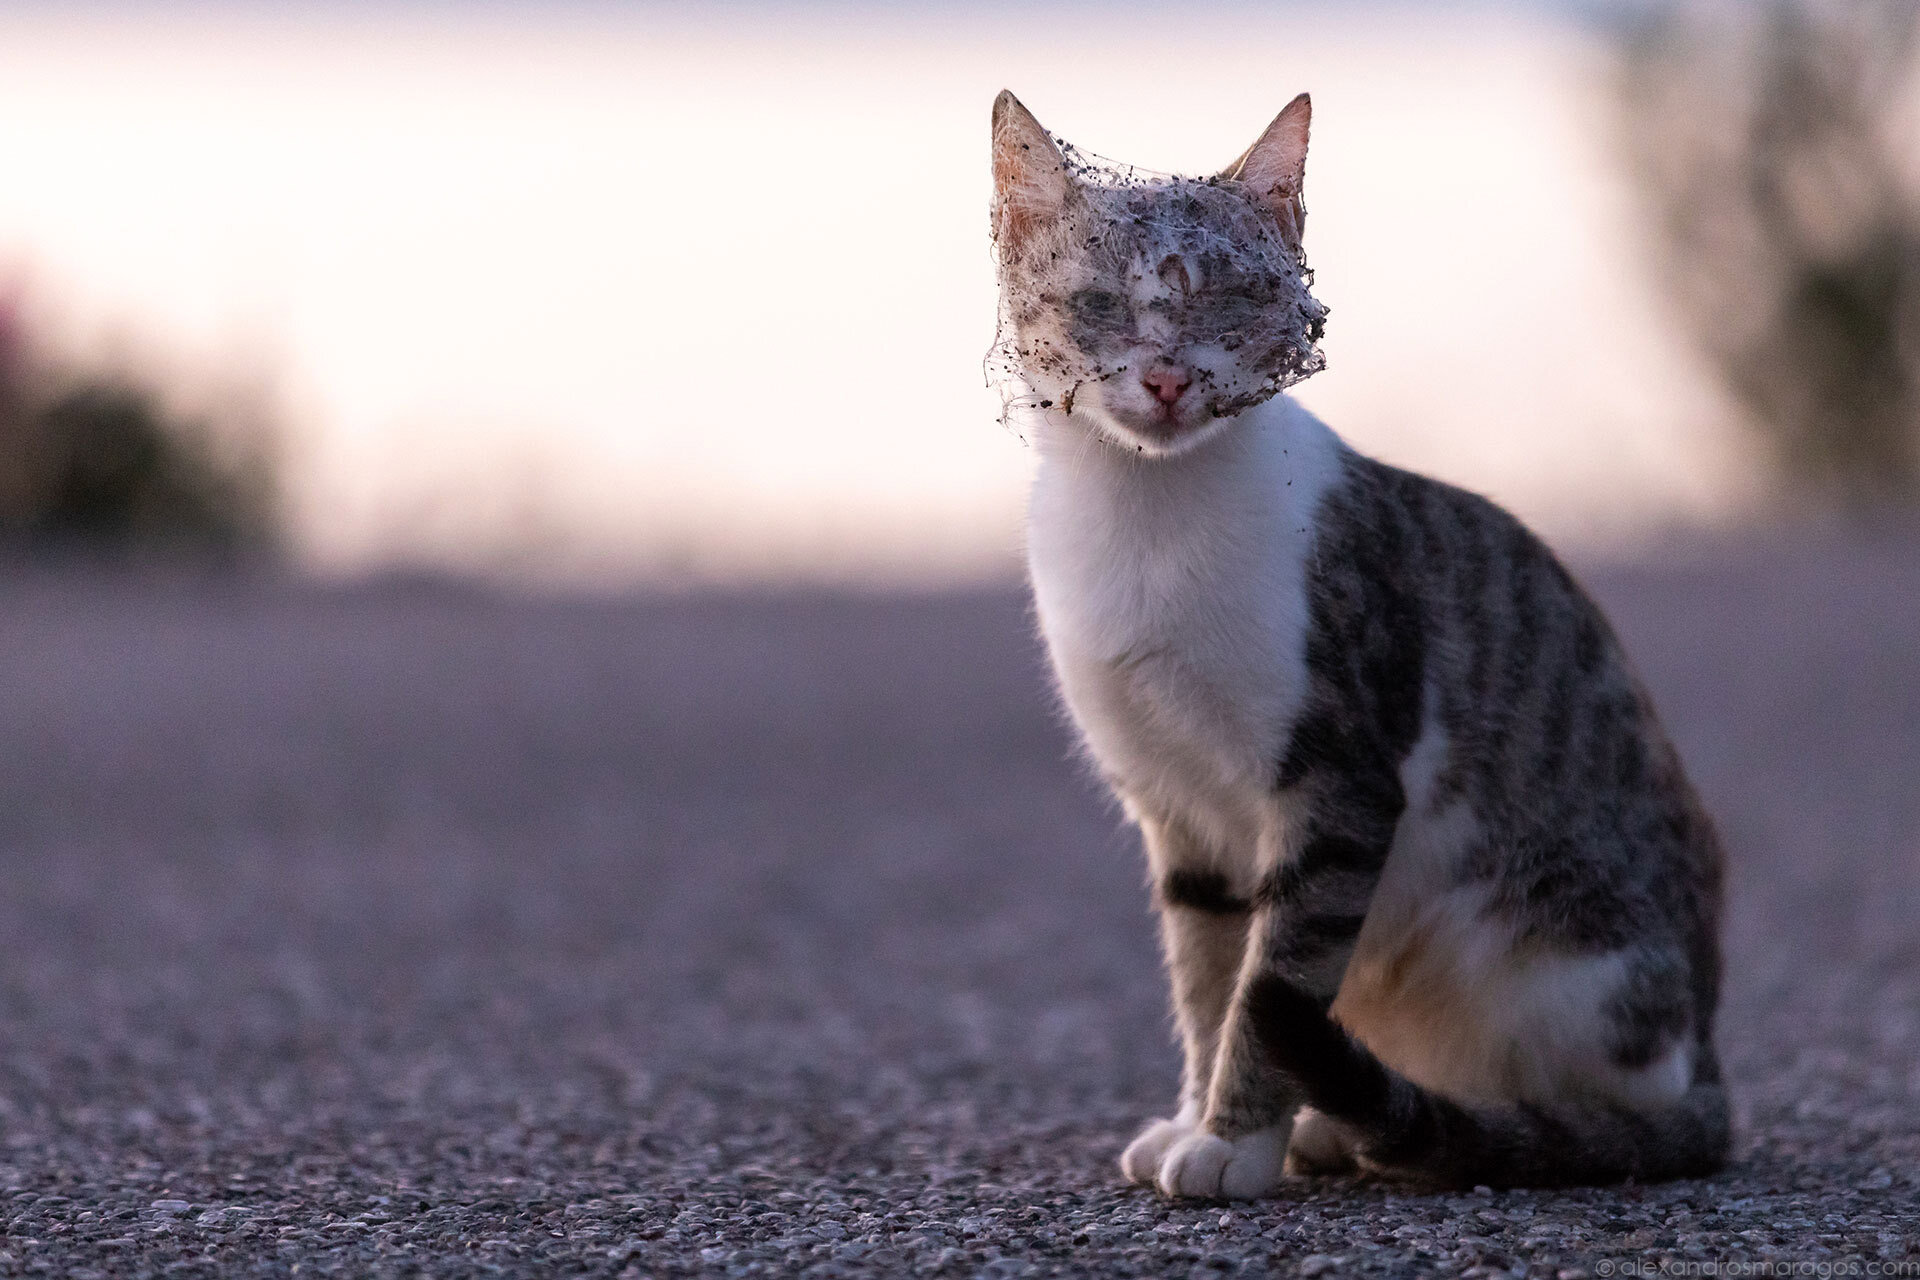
(667,297)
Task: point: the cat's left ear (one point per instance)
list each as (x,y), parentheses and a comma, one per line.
(1275,168)
(1031,184)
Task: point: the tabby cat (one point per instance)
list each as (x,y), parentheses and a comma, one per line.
(1436,899)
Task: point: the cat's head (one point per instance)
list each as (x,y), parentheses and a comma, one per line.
(1154,308)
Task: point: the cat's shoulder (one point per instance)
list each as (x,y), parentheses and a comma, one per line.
(1400,525)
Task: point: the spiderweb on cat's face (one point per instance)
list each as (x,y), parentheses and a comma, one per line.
(1119,221)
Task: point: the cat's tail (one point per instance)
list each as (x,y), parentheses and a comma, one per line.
(1401,1129)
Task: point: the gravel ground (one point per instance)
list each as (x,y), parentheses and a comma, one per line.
(410,929)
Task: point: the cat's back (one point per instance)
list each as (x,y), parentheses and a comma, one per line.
(1552,859)
(1447,620)
(1437,615)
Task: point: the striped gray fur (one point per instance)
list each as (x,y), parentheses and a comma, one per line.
(1590,838)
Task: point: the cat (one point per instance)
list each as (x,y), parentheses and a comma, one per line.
(1436,899)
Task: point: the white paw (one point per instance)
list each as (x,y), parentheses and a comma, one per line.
(1141,1160)
(1320,1144)
(1215,1168)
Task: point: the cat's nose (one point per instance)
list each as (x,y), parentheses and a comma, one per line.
(1166,381)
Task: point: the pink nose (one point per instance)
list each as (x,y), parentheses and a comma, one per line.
(1166,381)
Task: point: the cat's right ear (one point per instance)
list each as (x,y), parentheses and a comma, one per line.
(1276,168)
(1031,184)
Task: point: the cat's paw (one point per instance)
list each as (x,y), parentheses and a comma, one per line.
(1141,1160)
(1211,1167)
(1320,1144)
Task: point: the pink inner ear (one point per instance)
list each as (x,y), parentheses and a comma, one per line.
(1279,159)
(1276,167)
(1029,174)
(1277,170)
(1032,184)
(1019,216)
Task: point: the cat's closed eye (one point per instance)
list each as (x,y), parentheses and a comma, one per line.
(1236,309)
(1100,309)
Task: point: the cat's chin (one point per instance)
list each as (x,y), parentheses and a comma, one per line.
(1161,438)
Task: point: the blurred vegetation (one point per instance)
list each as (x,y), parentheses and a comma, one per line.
(1777,142)
(93,462)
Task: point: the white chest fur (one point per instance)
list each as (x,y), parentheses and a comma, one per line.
(1172,594)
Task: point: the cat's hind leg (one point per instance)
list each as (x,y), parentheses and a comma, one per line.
(1320,1145)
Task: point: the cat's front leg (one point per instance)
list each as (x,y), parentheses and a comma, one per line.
(1203,936)
(1238,1150)
(1302,935)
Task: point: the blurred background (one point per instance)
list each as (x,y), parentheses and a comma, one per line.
(523,742)
(625,294)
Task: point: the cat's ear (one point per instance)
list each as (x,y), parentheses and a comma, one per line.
(1275,168)
(1031,184)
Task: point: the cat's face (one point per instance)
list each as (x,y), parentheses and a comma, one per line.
(1151,311)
